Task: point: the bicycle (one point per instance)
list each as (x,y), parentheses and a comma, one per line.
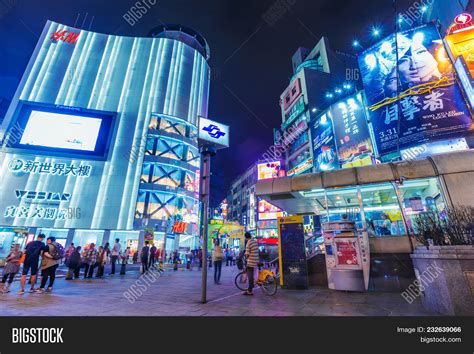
(266,280)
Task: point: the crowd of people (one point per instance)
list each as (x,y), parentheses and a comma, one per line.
(47,257)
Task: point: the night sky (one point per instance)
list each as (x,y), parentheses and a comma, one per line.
(250,59)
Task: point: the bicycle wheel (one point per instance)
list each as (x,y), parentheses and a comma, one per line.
(241,281)
(270,285)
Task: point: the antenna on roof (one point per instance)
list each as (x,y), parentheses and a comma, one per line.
(77,18)
(90,24)
(83,22)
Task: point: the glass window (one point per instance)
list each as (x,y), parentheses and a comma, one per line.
(343,203)
(382,210)
(126,239)
(421,196)
(85,237)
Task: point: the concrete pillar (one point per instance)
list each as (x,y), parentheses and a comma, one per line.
(70,237)
(106,238)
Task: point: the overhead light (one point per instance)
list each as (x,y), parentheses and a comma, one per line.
(355,43)
(314,110)
(376,32)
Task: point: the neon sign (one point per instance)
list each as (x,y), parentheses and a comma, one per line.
(65,36)
(59,169)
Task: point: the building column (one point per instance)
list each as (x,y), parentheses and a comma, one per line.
(141,240)
(106,237)
(70,237)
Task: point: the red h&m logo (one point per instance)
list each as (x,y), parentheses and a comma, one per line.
(65,36)
(179,227)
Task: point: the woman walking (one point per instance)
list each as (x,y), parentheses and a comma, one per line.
(218,257)
(101,260)
(11,268)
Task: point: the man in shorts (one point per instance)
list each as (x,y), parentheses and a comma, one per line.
(32,255)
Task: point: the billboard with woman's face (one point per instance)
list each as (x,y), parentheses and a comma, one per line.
(429,104)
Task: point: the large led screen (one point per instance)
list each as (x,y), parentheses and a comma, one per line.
(62,131)
(429,105)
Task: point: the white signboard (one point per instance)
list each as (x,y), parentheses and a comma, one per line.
(213,133)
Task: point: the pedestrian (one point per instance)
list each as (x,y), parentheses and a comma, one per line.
(218,257)
(90,259)
(115,254)
(50,260)
(73,263)
(12,267)
(125,257)
(227,257)
(252,256)
(151,262)
(32,254)
(101,260)
(144,257)
(107,252)
(69,251)
(135,257)
(200,258)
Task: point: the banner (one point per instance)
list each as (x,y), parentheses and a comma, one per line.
(324,145)
(430,104)
(354,146)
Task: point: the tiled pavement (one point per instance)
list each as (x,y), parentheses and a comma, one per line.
(177,293)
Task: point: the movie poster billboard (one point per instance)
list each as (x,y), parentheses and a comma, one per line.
(354,146)
(429,104)
(324,145)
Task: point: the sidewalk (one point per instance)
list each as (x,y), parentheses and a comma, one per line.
(178,293)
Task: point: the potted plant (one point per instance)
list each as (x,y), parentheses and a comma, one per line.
(444,265)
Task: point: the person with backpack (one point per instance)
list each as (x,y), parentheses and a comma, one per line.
(73,263)
(12,267)
(90,259)
(51,255)
(30,264)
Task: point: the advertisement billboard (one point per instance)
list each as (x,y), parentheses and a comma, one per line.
(292,253)
(324,145)
(269,170)
(429,105)
(351,131)
(267,211)
(60,130)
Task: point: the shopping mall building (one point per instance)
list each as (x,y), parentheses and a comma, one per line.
(100,140)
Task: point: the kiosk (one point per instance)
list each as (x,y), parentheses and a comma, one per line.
(347,256)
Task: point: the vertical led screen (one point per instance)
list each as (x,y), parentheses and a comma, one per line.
(430,104)
(324,146)
(354,146)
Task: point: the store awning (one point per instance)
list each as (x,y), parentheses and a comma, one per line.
(288,194)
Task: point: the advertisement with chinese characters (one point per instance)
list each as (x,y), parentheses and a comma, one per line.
(354,146)
(430,105)
(324,145)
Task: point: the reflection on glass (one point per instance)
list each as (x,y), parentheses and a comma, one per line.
(421,196)
(382,211)
(343,204)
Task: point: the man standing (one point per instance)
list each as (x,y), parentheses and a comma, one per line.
(152,256)
(90,259)
(251,254)
(144,257)
(32,254)
(115,254)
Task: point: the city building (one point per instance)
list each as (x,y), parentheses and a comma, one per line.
(318,75)
(100,140)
